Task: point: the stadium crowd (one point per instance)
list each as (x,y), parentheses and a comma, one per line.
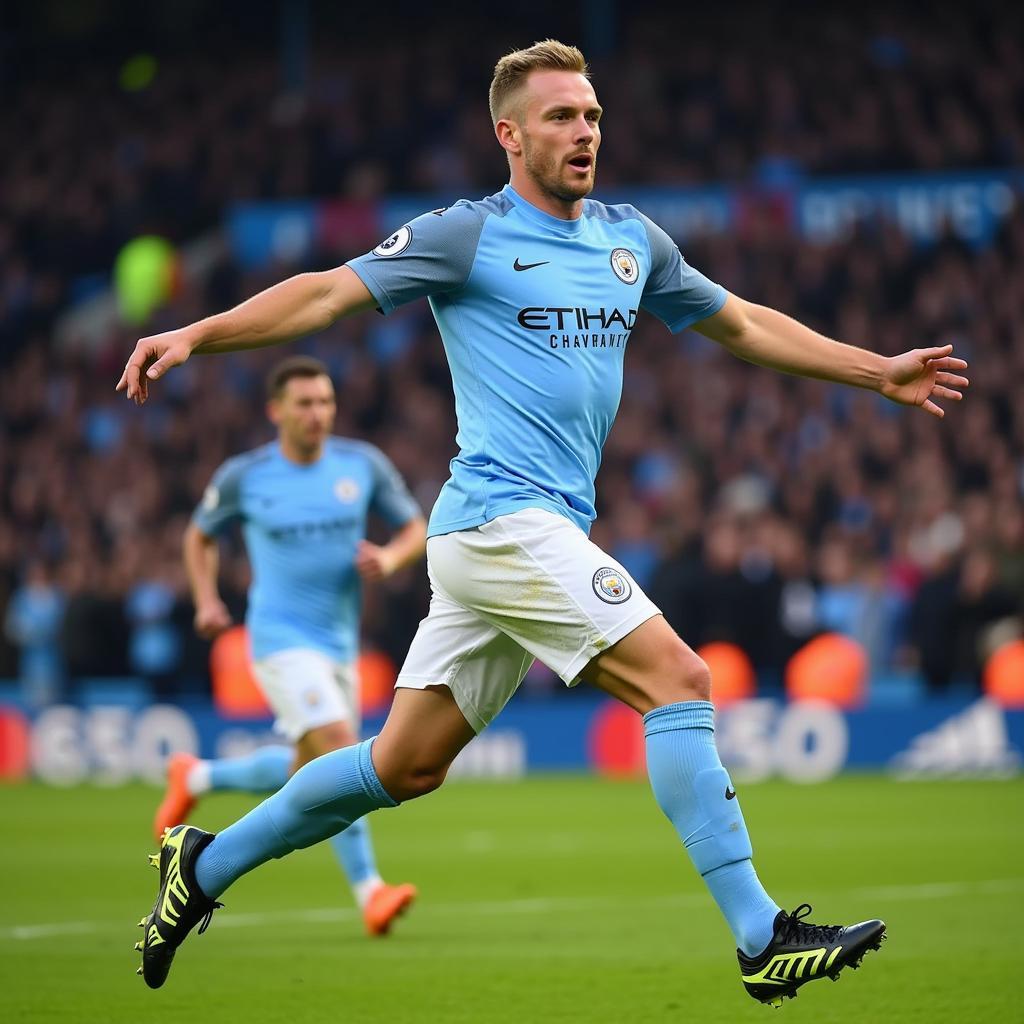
(688,99)
(755,508)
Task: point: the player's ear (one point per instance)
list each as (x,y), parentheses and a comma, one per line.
(509,136)
(274,411)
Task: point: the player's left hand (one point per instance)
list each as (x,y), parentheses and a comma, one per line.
(374,562)
(923,374)
(152,358)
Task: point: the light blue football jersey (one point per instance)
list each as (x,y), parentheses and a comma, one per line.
(535,314)
(301,525)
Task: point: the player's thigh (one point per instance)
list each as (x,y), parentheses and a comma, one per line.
(542,582)
(456,649)
(307,690)
(650,667)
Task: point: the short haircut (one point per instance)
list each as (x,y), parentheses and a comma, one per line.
(293,366)
(511,72)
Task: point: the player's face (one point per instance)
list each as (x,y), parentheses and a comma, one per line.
(304,414)
(561,134)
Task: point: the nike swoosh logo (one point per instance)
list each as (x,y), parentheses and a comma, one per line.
(528,266)
(730,794)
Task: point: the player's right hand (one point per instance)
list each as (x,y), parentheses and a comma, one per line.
(212,619)
(152,357)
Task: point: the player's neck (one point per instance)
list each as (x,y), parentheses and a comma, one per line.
(300,456)
(564,209)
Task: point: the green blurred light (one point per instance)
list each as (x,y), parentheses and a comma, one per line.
(143,277)
(138,72)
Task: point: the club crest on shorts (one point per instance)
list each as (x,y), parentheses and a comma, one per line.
(612,586)
(346,490)
(396,243)
(625,266)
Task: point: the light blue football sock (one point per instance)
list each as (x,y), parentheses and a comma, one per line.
(320,800)
(354,850)
(265,770)
(697,796)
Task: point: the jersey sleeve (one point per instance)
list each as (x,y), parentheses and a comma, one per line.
(221,502)
(675,293)
(391,498)
(431,254)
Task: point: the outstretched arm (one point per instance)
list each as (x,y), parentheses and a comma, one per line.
(769,338)
(298,306)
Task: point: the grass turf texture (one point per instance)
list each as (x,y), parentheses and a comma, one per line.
(554,899)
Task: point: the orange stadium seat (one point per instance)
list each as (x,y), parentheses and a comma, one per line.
(831,668)
(1003,676)
(377,674)
(235,691)
(732,674)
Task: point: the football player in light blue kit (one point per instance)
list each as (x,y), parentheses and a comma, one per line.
(303,502)
(535,291)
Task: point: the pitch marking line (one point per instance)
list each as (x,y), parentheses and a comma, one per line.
(330,915)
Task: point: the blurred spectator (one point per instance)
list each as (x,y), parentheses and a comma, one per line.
(797,620)
(154,644)
(93,632)
(34,615)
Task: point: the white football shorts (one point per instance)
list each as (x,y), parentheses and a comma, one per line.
(525,585)
(308,689)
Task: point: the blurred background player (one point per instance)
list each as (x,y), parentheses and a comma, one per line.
(536,365)
(303,503)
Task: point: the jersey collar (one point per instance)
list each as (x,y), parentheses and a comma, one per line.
(562,227)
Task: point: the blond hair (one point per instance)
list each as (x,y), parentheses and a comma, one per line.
(511,72)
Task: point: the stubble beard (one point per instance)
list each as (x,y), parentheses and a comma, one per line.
(307,448)
(543,169)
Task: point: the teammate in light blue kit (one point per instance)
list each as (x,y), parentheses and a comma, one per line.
(535,291)
(303,502)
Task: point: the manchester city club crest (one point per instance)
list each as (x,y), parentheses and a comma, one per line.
(346,490)
(625,266)
(612,586)
(398,242)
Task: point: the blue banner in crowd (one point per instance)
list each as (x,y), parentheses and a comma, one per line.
(264,234)
(926,207)
(802,742)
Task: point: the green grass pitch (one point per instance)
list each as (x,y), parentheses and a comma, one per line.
(554,899)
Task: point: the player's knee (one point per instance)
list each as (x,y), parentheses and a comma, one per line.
(697,679)
(677,675)
(407,773)
(414,780)
(690,675)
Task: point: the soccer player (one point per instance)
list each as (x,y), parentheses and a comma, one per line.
(302,501)
(535,291)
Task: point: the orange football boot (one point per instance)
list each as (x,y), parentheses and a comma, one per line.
(178,802)
(385,904)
